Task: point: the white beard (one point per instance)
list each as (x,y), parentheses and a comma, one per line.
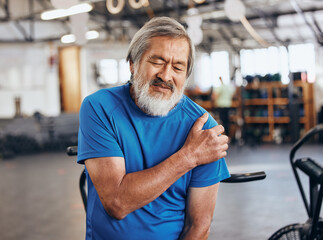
(155,105)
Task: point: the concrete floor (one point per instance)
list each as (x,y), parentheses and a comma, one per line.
(39,196)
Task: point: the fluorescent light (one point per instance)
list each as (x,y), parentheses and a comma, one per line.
(59,13)
(70,38)
(91,35)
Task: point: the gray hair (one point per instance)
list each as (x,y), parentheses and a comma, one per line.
(157,27)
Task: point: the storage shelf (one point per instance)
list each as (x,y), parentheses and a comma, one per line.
(267,138)
(260,112)
(256,120)
(280,101)
(207,105)
(302,120)
(281,119)
(256,101)
(274,101)
(275,120)
(266,85)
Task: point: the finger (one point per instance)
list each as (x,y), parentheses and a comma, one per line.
(224,138)
(199,123)
(226,147)
(223,147)
(218,129)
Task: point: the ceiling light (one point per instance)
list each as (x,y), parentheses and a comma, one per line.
(92,35)
(70,38)
(234,9)
(59,13)
(194,22)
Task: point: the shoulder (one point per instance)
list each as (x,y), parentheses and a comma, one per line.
(113,94)
(194,111)
(107,99)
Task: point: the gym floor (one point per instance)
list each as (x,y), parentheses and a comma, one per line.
(40,198)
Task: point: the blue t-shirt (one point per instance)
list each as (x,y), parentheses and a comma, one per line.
(111,124)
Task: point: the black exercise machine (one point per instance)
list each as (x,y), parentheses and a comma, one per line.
(312,229)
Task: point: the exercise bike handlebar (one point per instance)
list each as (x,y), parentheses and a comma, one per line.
(71,151)
(305,138)
(245,177)
(315,173)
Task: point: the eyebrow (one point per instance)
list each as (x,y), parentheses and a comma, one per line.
(154,57)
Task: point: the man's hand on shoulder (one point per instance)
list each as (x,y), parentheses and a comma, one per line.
(205,146)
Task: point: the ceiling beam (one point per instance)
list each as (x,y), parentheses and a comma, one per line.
(31,20)
(271,23)
(226,38)
(317,26)
(35,40)
(301,13)
(22,30)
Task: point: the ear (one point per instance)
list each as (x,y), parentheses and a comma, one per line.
(131,65)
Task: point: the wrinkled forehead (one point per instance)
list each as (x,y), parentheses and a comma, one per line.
(168,48)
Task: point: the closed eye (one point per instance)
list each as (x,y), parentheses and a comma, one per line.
(156,63)
(178,68)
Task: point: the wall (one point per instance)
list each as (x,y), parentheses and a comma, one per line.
(28,72)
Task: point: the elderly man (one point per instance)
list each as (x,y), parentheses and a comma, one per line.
(153,158)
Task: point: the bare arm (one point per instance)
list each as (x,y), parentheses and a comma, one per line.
(199,212)
(122,193)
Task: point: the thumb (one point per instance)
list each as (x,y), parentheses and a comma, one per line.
(199,123)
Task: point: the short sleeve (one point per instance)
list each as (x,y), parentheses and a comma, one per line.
(212,173)
(209,174)
(96,137)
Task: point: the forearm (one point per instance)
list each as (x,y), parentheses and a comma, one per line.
(193,232)
(137,189)
(199,212)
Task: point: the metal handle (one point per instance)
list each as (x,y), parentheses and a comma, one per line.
(245,177)
(305,138)
(71,151)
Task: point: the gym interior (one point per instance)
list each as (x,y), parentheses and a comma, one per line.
(268,54)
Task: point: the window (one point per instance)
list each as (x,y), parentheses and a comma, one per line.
(108,72)
(124,71)
(302,59)
(209,68)
(112,72)
(298,58)
(202,73)
(263,61)
(220,68)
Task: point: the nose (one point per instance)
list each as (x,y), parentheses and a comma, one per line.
(165,73)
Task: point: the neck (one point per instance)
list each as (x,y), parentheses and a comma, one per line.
(133,95)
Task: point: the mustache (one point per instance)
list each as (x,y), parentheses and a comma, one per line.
(160,82)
